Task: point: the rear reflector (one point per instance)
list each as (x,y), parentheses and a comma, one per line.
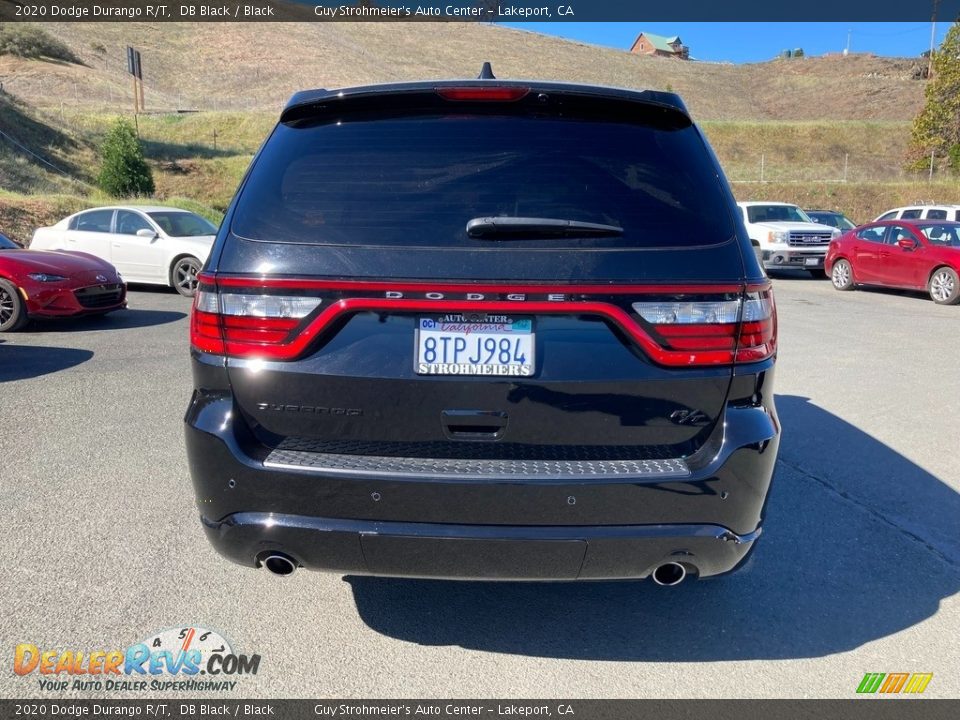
(483,94)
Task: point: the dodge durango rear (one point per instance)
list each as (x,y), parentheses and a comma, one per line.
(484,330)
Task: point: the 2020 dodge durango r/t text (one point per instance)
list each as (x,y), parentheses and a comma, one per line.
(484,329)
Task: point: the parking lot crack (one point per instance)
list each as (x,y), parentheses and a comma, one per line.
(874,513)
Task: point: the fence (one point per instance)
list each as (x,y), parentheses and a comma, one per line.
(747,157)
(844,167)
(115,94)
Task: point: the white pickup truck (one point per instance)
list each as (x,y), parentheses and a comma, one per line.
(784,237)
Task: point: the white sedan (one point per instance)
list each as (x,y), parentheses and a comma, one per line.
(153,245)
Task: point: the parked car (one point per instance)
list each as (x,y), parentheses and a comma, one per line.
(923,212)
(151,245)
(911,254)
(784,237)
(38,284)
(831,218)
(546,355)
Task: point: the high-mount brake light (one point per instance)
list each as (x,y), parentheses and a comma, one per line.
(483,94)
(677,326)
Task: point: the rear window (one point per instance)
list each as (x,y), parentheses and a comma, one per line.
(944,234)
(417,181)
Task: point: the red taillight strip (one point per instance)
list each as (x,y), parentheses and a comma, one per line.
(620,318)
(706,344)
(380,286)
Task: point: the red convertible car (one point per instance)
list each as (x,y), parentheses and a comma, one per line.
(39,283)
(909,254)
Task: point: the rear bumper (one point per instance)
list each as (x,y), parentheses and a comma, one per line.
(385,520)
(478,552)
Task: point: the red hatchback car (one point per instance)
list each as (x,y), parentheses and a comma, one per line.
(908,254)
(40,283)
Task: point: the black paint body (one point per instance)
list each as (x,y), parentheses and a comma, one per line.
(594,398)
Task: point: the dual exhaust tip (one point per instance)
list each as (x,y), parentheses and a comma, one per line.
(668,574)
(280,564)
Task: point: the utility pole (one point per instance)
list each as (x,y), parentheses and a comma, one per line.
(847,50)
(933,35)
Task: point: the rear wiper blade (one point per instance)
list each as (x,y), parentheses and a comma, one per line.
(535,227)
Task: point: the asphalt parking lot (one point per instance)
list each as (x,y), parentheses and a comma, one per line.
(858,569)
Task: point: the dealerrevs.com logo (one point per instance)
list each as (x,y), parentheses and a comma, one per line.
(894,683)
(185,659)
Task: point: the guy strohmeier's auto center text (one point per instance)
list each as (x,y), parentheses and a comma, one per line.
(466,10)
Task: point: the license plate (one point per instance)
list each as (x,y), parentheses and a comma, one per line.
(811,261)
(495,345)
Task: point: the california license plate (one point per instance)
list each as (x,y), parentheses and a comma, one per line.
(475,344)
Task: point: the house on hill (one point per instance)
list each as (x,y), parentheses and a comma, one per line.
(650,44)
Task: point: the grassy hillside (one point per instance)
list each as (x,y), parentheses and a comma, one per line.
(245,66)
(202,156)
(786,130)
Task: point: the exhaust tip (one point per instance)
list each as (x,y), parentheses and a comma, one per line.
(280,564)
(669,574)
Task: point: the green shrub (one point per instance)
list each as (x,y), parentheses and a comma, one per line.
(124,172)
(29,41)
(953,158)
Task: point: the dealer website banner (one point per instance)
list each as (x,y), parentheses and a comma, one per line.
(479,11)
(480,359)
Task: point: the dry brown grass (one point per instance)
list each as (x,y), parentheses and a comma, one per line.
(258,66)
(861,202)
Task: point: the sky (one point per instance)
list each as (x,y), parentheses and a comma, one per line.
(755,42)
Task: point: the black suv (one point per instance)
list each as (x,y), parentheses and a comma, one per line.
(484,329)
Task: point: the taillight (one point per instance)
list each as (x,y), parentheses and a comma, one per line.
(246,323)
(678,326)
(715,331)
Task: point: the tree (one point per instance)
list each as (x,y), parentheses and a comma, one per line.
(124,171)
(937,128)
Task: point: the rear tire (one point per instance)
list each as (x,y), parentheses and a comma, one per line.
(183,275)
(842,275)
(13,312)
(944,286)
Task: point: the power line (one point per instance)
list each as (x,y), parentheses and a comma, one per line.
(42,159)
